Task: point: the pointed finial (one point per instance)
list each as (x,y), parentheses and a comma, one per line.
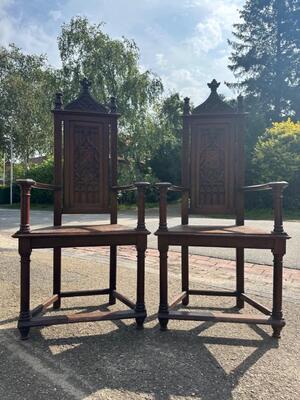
(113,105)
(240,103)
(213,85)
(186,106)
(58,101)
(85,85)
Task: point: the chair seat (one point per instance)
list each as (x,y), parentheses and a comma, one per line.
(231,230)
(82,230)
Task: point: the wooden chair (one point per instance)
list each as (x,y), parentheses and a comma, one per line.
(212,183)
(85,181)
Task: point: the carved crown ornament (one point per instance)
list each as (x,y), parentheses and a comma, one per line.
(85,101)
(213,104)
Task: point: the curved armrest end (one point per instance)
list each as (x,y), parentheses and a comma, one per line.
(141,184)
(281,184)
(161,185)
(26,182)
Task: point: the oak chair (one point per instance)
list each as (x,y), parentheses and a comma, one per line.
(213,183)
(85,182)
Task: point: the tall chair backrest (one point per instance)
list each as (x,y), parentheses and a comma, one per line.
(213,157)
(85,155)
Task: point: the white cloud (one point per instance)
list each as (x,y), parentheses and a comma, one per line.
(208,36)
(184,41)
(216,26)
(56,15)
(161,60)
(30,37)
(6,23)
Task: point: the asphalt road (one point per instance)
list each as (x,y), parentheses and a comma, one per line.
(9,222)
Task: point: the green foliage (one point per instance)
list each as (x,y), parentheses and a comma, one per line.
(42,172)
(265,56)
(166,158)
(277,157)
(27,86)
(113,67)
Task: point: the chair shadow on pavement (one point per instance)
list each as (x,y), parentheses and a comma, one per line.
(189,361)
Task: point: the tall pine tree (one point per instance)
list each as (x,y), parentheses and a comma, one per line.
(265,56)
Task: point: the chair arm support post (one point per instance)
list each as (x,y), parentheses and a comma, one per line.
(277,191)
(141,186)
(163,189)
(25,185)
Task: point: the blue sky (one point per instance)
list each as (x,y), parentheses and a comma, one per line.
(183,41)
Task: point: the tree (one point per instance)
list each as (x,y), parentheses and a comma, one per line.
(277,157)
(113,67)
(27,87)
(165,161)
(265,56)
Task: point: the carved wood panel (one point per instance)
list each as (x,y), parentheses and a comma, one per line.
(86,158)
(212,168)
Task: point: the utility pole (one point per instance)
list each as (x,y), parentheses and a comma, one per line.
(11,171)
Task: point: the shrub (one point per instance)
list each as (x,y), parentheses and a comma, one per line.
(4,195)
(40,173)
(277,157)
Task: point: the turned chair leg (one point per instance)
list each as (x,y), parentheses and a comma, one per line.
(277,295)
(57,276)
(163,285)
(240,279)
(112,274)
(185,273)
(24,316)
(140,286)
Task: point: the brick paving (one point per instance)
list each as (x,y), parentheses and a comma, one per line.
(212,272)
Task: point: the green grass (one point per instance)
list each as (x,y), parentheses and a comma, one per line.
(254,214)
(33,206)
(261,213)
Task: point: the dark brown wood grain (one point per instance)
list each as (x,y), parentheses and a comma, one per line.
(85,181)
(213,181)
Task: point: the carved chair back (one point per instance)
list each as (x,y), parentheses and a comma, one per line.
(85,155)
(213,157)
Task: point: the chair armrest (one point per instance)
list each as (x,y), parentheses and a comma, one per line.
(174,188)
(265,186)
(47,186)
(37,185)
(141,187)
(277,191)
(26,185)
(123,188)
(163,188)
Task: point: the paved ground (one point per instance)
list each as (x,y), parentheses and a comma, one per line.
(9,222)
(106,360)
